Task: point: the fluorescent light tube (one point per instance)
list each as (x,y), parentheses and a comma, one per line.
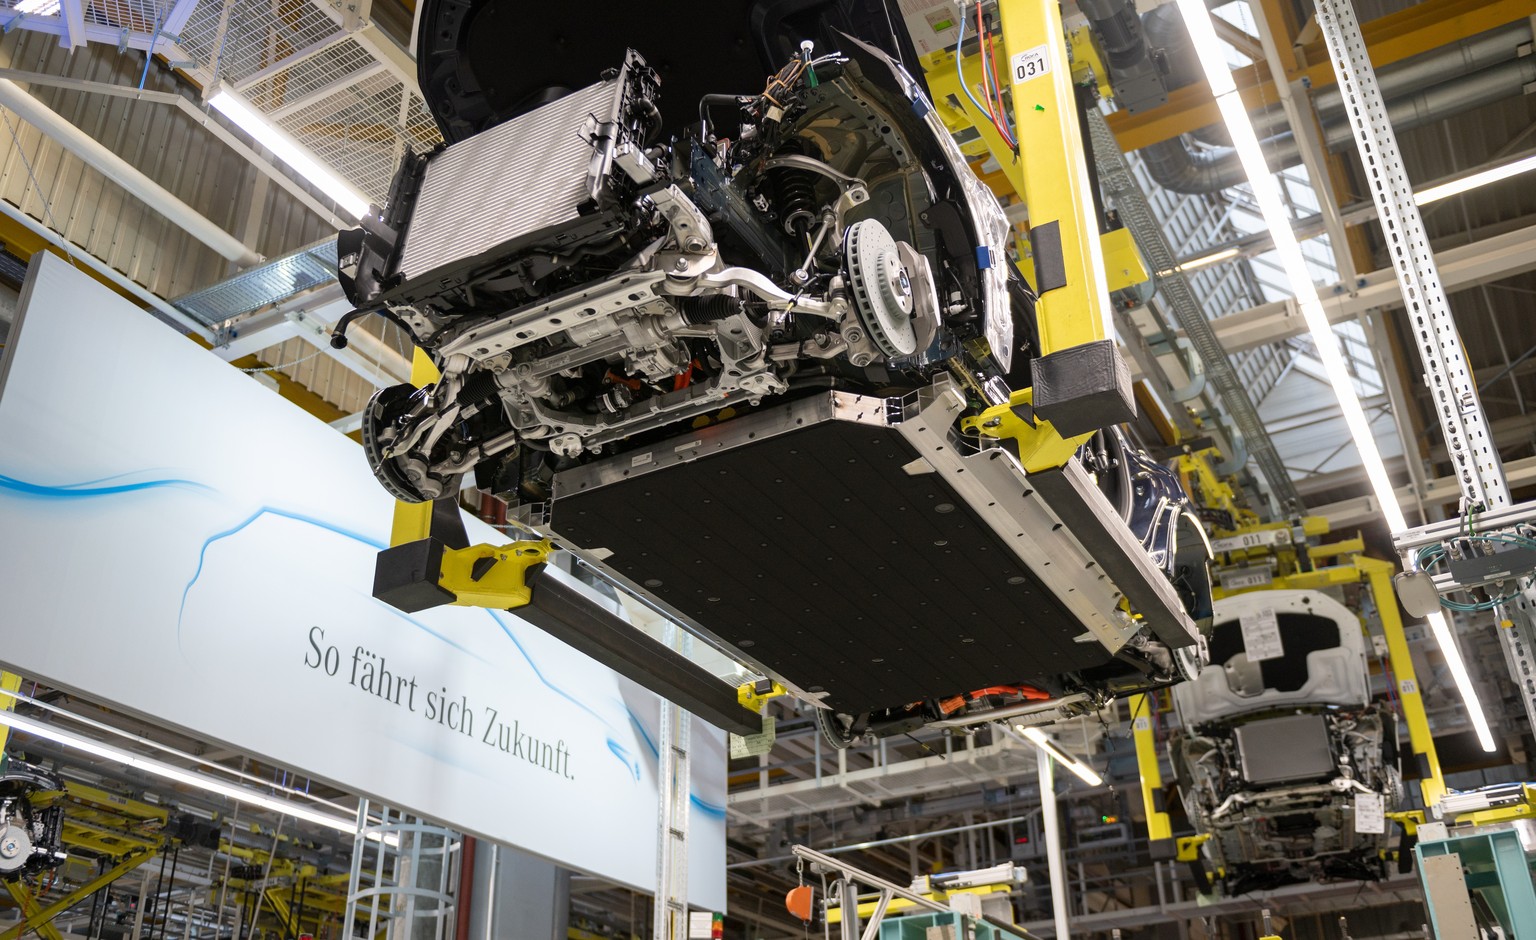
(1267,194)
(290,152)
(1200,262)
(129,759)
(1083,771)
(1446,640)
(1490,175)
(1208,49)
(38,7)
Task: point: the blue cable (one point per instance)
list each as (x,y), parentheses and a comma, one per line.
(965,86)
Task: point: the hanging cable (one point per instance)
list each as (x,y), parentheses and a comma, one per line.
(965,87)
(997,86)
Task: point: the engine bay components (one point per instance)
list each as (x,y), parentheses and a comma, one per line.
(30,839)
(702,353)
(1283,759)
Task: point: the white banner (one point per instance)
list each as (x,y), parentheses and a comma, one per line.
(182,542)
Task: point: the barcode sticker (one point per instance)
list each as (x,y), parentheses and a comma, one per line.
(1261,635)
(751,745)
(1370,814)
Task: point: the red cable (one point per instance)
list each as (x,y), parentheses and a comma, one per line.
(997,87)
(988,65)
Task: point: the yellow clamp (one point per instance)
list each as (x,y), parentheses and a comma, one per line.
(750,698)
(1040,447)
(1189,847)
(1410,820)
(493,576)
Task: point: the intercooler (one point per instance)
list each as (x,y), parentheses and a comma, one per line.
(521,178)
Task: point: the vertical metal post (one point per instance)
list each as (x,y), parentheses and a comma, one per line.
(1479,469)
(849,909)
(670,920)
(491,892)
(1448,377)
(1053,855)
(1375,325)
(138,909)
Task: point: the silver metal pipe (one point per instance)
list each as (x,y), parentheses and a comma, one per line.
(162,308)
(1467,74)
(1504,80)
(1437,66)
(124,174)
(1053,854)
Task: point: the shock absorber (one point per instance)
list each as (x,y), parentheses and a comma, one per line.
(795,189)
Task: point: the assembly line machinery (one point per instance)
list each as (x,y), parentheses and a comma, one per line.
(999,451)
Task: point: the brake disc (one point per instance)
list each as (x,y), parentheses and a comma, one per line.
(882,289)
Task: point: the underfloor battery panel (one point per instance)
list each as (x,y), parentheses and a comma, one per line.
(824,539)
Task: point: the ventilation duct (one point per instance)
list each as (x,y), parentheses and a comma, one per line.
(1471,73)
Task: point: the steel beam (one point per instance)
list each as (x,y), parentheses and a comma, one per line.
(350,80)
(72,15)
(41,918)
(1390,39)
(120,171)
(165,45)
(29,909)
(176,20)
(1361,510)
(1488,259)
(105,273)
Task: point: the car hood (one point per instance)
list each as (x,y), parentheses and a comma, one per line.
(481,62)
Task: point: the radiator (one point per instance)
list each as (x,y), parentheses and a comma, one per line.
(516,179)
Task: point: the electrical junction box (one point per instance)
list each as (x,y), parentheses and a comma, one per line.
(1504,563)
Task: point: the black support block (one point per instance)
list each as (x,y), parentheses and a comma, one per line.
(1081,389)
(565,614)
(405,577)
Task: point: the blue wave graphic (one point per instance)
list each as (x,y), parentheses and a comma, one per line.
(202,554)
(107,487)
(622,753)
(93,488)
(713,810)
(507,629)
(377,545)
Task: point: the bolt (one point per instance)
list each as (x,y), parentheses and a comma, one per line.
(681,264)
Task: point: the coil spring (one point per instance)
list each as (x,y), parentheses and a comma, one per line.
(795,190)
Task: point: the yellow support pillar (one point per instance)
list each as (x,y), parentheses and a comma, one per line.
(1080,382)
(413,521)
(29,910)
(1055,173)
(1159,827)
(1378,575)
